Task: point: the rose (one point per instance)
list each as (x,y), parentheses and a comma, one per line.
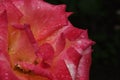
(37,42)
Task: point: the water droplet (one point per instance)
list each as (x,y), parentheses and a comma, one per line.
(6,74)
(6,78)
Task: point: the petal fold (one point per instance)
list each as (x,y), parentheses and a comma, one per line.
(44,18)
(13,13)
(6,72)
(4,32)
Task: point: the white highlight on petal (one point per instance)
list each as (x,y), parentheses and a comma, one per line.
(72,68)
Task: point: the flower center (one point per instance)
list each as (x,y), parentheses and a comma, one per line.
(40,65)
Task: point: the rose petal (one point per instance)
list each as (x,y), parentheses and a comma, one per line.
(73,55)
(47,53)
(47,45)
(61,71)
(37,70)
(6,72)
(72,33)
(60,44)
(72,61)
(82,44)
(13,13)
(43,17)
(20,47)
(84,65)
(3,33)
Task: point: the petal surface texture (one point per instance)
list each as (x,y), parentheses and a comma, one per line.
(37,42)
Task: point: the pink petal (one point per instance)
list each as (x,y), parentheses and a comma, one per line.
(72,33)
(13,13)
(82,44)
(84,65)
(36,69)
(61,71)
(72,61)
(60,44)
(73,55)
(43,17)
(3,31)
(50,34)
(6,72)
(20,46)
(47,53)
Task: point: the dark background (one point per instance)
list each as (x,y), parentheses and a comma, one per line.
(102,19)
